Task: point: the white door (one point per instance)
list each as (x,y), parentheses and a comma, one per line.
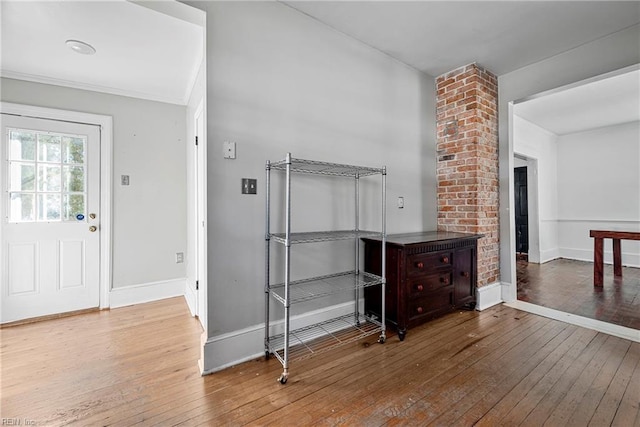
(50,217)
(200,219)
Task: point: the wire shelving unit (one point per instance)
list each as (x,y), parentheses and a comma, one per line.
(328,334)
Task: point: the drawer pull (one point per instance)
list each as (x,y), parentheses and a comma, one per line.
(444,280)
(419,310)
(420,264)
(420,288)
(465,273)
(445,260)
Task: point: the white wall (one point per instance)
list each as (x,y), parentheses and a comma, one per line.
(613,52)
(149,216)
(599,188)
(538,144)
(279,81)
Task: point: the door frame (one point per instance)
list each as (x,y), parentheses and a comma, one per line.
(106,160)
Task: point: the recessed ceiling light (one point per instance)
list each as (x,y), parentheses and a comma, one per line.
(81,47)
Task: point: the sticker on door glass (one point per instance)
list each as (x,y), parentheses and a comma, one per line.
(79,217)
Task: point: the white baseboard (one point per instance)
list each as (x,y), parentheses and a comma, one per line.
(573,319)
(191,298)
(628,259)
(488,296)
(146,292)
(549,255)
(230,349)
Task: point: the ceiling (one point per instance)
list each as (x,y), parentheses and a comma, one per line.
(153,49)
(605,102)
(141,52)
(502,36)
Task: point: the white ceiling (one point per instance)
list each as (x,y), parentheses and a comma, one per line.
(502,36)
(140,52)
(607,102)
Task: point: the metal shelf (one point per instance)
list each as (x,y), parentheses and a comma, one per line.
(317,287)
(324,236)
(337,331)
(324,168)
(325,336)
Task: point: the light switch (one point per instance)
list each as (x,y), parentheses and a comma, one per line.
(229,150)
(400,202)
(249,186)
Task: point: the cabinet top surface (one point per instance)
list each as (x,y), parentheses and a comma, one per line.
(426,237)
(325,168)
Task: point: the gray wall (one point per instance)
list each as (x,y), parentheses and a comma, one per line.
(149,216)
(607,54)
(281,82)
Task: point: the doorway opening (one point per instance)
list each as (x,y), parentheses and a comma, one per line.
(521,212)
(579,164)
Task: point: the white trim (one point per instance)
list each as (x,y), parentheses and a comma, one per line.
(585,322)
(230,349)
(488,296)
(8,74)
(549,255)
(191,299)
(106,161)
(147,292)
(628,259)
(633,221)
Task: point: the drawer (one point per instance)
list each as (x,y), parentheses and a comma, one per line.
(436,301)
(431,282)
(419,264)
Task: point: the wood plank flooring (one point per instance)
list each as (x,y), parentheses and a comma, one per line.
(138,366)
(567,285)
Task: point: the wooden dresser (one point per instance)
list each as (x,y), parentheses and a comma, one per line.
(428,274)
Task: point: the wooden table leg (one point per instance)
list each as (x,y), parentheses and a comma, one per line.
(617,258)
(598,272)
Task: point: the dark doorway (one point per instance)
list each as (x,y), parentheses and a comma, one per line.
(521,210)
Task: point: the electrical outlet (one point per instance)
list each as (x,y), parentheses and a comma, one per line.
(179,257)
(124,179)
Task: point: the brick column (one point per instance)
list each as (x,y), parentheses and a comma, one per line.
(467,167)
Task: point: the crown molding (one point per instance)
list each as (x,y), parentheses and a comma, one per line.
(94,88)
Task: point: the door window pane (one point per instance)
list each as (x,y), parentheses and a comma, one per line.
(73,178)
(49,148)
(23,177)
(48,178)
(49,207)
(22,145)
(72,205)
(22,207)
(73,149)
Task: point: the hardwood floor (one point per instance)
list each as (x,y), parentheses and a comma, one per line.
(138,366)
(567,285)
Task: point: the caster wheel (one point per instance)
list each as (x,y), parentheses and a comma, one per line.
(382,339)
(401,335)
(282,379)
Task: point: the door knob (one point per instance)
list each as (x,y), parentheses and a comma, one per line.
(93,228)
